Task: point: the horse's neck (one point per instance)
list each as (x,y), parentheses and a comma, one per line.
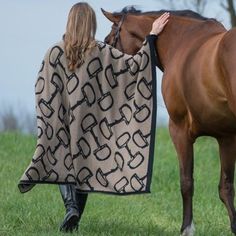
(184,33)
(171,36)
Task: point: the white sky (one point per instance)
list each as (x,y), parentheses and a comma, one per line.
(29,27)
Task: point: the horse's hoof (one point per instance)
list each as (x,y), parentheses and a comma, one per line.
(189,231)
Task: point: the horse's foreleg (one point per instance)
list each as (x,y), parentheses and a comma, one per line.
(226,185)
(184,147)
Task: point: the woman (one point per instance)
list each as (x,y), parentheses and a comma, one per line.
(66,136)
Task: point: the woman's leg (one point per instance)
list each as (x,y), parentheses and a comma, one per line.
(74,203)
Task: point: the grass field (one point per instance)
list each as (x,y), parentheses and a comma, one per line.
(40,211)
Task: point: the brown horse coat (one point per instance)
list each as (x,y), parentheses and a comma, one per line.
(197,56)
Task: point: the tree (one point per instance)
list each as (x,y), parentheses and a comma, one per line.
(9,120)
(12,119)
(200,6)
(229,6)
(195,5)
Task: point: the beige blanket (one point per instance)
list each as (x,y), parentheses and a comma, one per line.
(96,127)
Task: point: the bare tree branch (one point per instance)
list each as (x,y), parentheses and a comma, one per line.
(195,5)
(232,12)
(12,119)
(171,4)
(224,6)
(9,120)
(200,6)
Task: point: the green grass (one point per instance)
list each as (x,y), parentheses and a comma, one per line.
(40,211)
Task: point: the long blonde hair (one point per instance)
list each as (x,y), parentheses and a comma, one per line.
(80,34)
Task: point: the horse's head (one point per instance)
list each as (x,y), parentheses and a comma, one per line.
(182,31)
(127,32)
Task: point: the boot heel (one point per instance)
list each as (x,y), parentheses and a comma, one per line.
(70,223)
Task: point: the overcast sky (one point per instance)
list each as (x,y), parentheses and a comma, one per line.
(29,27)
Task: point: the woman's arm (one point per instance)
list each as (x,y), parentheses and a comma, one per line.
(157,27)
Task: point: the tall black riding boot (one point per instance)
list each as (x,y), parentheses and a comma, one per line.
(74,203)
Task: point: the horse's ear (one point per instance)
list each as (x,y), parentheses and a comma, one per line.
(110,16)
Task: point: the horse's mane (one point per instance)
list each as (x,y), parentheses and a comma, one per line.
(184,13)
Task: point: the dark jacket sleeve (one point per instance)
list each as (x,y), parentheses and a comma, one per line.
(151,39)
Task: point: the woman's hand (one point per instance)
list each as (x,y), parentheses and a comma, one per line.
(159,24)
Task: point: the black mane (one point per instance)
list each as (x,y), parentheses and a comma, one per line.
(128,9)
(185,13)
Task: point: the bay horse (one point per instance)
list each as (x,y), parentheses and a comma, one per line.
(197,56)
